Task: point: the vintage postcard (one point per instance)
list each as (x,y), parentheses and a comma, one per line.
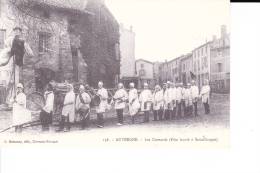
(132,73)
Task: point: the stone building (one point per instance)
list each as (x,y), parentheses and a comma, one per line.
(220,62)
(72,40)
(186,68)
(144,70)
(127,58)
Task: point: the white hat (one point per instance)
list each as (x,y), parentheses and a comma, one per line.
(132,84)
(146,84)
(81,87)
(168,82)
(19,85)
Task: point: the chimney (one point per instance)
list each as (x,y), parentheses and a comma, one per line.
(223,31)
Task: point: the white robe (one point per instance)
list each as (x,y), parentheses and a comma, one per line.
(194,93)
(178,94)
(145,97)
(49,101)
(20,114)
(69,110)
(122,95)
(187,97)
(205,91)
(134,104)
(168,99)
(158,100)
(103,100)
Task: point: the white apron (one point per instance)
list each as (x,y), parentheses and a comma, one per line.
(158,100)
(146,98)
(103,100)
(21,115)
(69,110)
(205,91)
(135,106)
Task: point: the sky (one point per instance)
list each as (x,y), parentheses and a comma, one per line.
(166,29)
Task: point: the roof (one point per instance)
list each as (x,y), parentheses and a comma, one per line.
(144,61)
(71,5)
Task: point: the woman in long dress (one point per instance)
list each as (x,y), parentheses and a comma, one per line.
(20,114)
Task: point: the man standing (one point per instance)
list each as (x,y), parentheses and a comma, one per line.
(120,98)
(134,104)
(205,92)
(168,101)
(178,99)
(194,96)
(158,102)
(173,97)
(188,100)
(17,47)
(82,107)
(145,99)
(103,95)
(68,110)
(47,110)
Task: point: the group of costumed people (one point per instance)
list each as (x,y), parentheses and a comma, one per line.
(169,102)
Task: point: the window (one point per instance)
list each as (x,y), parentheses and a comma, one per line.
(142,65)
(117,50)
(220,67)
(183,67)
(205,62)
(2,38)
(44,42)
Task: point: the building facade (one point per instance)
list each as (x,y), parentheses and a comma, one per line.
(186,68)
(127,58)
(201,63)
(76,41)
(220,63)
(144,71)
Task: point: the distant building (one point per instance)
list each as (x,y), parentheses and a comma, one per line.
(170,70)
(186,68)
(201,63)
(156,72)
(144,70)
(127,56)
(220,62)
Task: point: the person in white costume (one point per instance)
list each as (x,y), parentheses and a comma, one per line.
(188,100)
(82,107)
(47,110)
(173,97)
(145,100)
(134,104)
(205,93)
(168,101)
(20,114)
(103,105)
(194,95)
(68,110)
(120,99)
(158,103)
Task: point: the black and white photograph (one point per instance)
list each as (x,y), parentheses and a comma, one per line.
(140,72)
